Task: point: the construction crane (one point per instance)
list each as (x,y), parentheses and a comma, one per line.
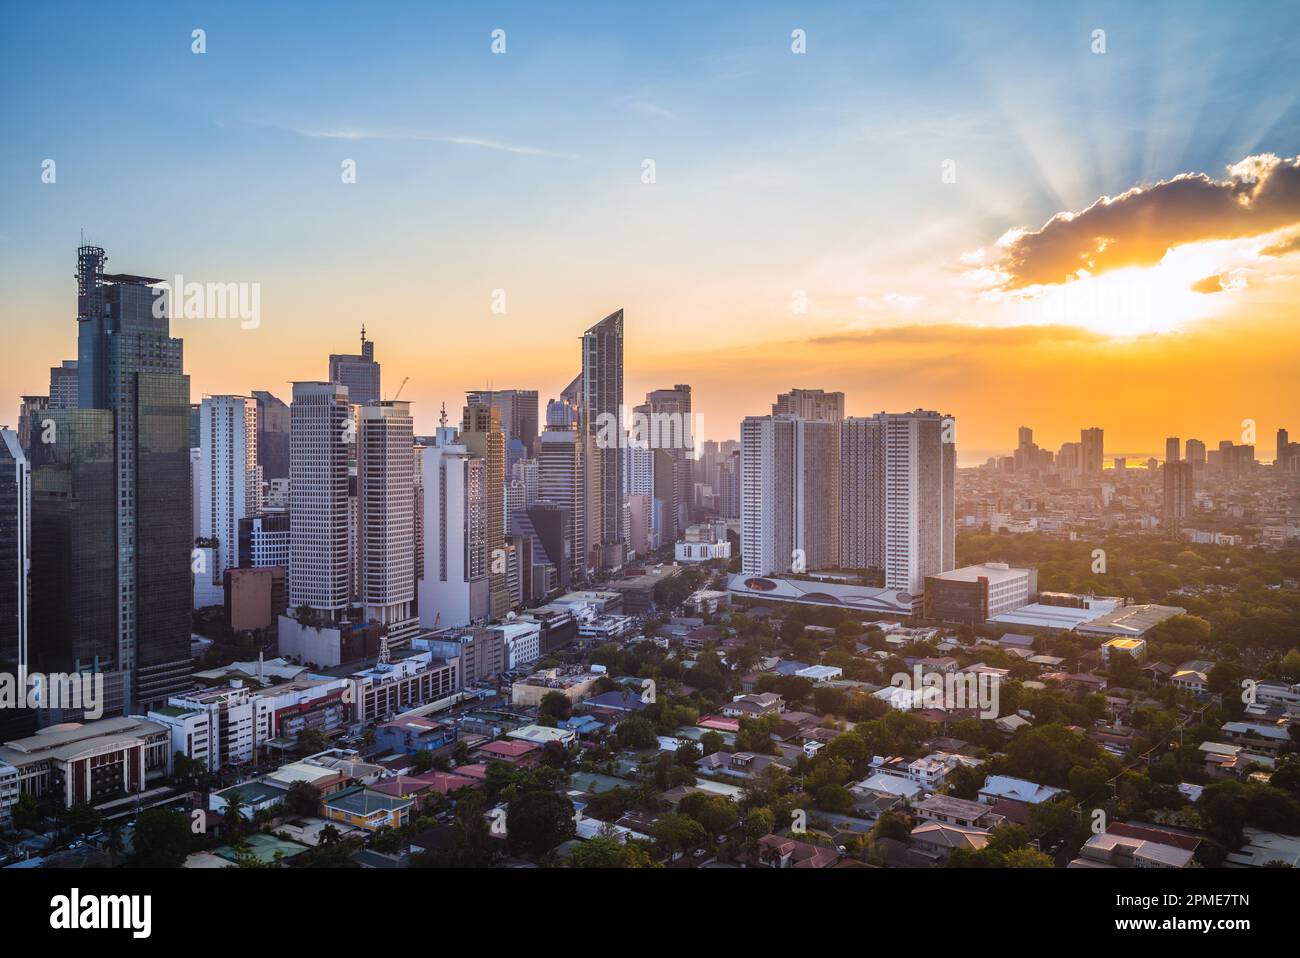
(400,388)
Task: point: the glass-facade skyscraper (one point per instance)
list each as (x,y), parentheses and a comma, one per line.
(114,486)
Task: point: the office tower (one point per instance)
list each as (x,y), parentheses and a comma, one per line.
(1173,449)
(73,621)
(560,481)
(897,489)
(667,415)
(320,567)
(15,562)
(455,589)
(1026,437)
(27,425)
(229,481)
(1178,482)
(565,412)
(1195,452)
(525,472)
(129,365)
(518,408)
(264,541)
(790,500)
(1091,451)
(602,404)
(272,436)
(360,373)
(482,435)
(386,513)
(729,486)
(515,501)
(64,385)
(815,404)
(551,526)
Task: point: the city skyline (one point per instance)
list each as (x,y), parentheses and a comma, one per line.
(751,264)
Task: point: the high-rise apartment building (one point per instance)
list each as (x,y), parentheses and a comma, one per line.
(897,489)
(386,517)
(1195,452)
(1091,451)
(1173,449)
(482,435)
(359,372)
(229,480)
(1178,483)
(129,366)
(455,589)
(791,494)
(816,404)
(602,402)
(320,432)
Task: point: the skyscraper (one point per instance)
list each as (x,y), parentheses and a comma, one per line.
(455,589)
(1195,452)
(815,404)
(791,494)
(560,481)
(320,567)
(1173,449)
(1178,483)
(64,385)
(73,625)
(602,404)
(897,488)
(272,436)
(359,372)
(386,516)
(1091,451)
(518,408)
(229,480)
(668,412)
(482,435)
(129,365)
(26,422)
(15,562)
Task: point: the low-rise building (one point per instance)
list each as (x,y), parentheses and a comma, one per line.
(366,808)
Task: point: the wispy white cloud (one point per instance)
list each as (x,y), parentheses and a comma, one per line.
(422,136)
(646,108)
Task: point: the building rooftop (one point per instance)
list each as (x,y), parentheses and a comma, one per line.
(993,571)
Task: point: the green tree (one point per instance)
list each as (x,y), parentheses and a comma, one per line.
(537,820)
(162,838)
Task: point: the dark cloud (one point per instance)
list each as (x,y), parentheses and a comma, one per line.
(963,335)
(1260,194)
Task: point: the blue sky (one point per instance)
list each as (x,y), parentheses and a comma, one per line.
(476,172)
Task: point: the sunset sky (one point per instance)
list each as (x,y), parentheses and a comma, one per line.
(1120,247)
